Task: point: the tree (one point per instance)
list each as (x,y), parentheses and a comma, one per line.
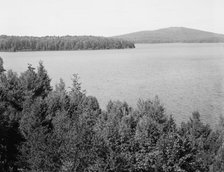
(10,108)
(42,129)
(15,43)
(1,66)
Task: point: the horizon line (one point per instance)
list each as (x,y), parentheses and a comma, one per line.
(20,35)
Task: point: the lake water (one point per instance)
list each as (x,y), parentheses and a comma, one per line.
(186,77)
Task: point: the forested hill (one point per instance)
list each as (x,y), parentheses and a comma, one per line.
(173,35)
(27,43)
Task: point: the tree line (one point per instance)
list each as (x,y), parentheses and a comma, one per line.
(28,43)
(46,129)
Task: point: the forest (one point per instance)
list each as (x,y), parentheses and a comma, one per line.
(50,43)
(55,129)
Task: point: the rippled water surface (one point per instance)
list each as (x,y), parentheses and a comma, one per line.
(186,77)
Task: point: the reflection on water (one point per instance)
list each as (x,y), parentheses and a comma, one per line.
(186,77)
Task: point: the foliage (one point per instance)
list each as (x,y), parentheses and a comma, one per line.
(25,43)
(46,129)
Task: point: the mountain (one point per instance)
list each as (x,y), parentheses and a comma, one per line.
(173,35)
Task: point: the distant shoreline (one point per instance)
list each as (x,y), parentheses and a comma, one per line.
(183,43)
(53,43)
(136,45)
(66,50)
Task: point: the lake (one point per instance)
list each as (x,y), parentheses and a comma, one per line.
(186,77)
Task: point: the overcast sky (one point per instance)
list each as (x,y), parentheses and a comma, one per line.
(107,17)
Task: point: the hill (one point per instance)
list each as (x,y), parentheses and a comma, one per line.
(173,35)
(29,43)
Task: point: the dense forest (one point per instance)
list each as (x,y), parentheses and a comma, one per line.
(26,43)
(46,129)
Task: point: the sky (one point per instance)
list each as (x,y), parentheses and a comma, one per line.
(107,17)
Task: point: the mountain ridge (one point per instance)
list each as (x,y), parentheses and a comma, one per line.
(173,35)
